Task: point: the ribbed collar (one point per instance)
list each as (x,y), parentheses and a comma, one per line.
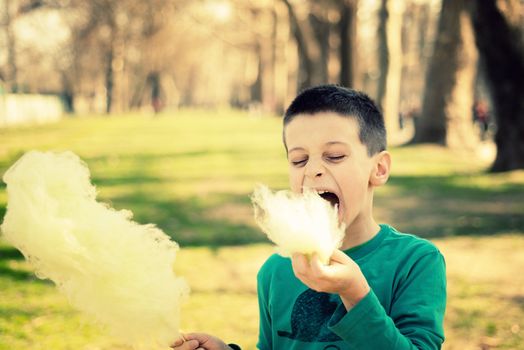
(365,248)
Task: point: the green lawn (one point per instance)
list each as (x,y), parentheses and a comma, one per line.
(191,173)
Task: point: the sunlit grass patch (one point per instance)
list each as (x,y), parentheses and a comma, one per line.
(485,291)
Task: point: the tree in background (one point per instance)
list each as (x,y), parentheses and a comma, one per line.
(97,48)
(325,33)
(10,72)
(311,33)
(120,45)
(347,27)
(121,55)
(390,62)
(448,97)
(418,33)
(499,38)
(13,10)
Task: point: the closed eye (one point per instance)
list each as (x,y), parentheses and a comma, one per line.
(299,162)
(335,158)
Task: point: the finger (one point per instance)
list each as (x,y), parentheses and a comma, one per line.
(301,268)
(199,337)
(188,336)
(180,340)
(318,269)
(299,263)
(190,345)
(340,257)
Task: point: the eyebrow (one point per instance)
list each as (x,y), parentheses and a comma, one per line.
(327,143)
(295,149)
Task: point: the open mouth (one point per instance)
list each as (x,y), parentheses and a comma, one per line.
(330,197)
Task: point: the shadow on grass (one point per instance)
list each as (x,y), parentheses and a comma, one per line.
(10,313)
(447,186)
(17,275)
(11,254)
(437,206)
(188,222)
(8,253)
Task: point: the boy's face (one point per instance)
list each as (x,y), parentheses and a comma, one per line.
(326,154)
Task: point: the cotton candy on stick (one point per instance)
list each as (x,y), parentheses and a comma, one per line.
(298,223)
(115,270)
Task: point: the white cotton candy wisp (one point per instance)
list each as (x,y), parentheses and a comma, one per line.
(117,271)
(298,223)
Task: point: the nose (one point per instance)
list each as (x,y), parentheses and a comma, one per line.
(314,169)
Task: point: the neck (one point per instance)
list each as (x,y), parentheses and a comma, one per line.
(363,227)
(360,232)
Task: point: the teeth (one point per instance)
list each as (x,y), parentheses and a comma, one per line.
(318,191)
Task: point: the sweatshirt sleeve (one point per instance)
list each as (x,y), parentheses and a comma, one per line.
(415,320)
(264,334)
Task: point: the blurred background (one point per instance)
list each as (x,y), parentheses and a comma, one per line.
(434,67)
(174,106)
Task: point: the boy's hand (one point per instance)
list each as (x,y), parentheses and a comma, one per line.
(199,341)
(342,276)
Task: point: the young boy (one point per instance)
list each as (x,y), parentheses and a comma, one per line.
(384,289)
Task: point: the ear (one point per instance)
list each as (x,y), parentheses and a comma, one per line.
(380,172)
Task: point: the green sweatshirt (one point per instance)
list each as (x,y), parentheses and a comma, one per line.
(404,309)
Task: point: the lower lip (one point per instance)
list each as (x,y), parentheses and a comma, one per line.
(340,213)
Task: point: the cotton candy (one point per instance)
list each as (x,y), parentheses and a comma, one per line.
(298,223)
(115,270)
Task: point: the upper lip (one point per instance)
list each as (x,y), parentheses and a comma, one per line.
(321,190)
(324,191)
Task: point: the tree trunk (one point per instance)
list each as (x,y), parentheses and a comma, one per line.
(305,63)
(267,61)
(348,42)
(109,78)
(321,29)
(461,132)
(501,46)
(282,92)
(153,80)
(68,95)
(270,99)
(11,71)
(390,58)
(383,57)
(256,87)
(415,39)
(448,98)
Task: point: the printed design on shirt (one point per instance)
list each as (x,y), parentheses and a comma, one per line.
(310,316)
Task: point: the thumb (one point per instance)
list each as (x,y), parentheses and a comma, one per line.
(340,257)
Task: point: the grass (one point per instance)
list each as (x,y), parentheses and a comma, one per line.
(191,173)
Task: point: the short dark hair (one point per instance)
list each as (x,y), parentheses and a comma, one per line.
(346,102)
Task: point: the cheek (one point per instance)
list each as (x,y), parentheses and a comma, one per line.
(295,181)
(354,190)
